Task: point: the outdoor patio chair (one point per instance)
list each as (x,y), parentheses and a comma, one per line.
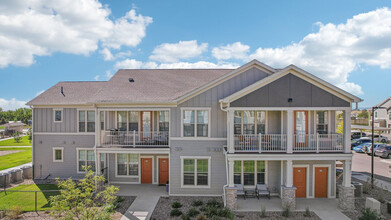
(262,190)
(240,190)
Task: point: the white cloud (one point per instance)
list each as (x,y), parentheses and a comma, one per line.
(96,78)
(108,74)
(171,53)
(335,51)
(135,64)
(39,93)
(12,104)
(236,50)
(106,53)
(31,28)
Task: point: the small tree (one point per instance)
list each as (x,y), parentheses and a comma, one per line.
(30,134)
(17,137)
(83,200)
(340,128)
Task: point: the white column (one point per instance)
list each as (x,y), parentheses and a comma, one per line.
(289,131)
(97,128)
(347,173)
(231,173)
(230,131)
(289,173)
(347,130)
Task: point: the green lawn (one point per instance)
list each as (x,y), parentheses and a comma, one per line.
(11,142)
(15,159)
(26,200)
(1,127)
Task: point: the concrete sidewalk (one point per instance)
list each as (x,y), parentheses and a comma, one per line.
(147,197)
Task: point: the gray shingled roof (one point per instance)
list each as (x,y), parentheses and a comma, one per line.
(157,85)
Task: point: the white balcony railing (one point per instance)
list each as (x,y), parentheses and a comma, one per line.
(318,143)
(135,139)
(278,143)
(260,142)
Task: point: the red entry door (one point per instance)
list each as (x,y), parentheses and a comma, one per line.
(163,170)
(146,170)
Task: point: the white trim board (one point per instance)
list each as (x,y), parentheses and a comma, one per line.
(54,154)
(62,133)
(307,187)
(329,171)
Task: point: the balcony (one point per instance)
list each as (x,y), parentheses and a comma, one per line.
(317,143)
(135,139)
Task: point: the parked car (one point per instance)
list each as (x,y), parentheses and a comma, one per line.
(357,134)
(359,141)
(366,146)
(369,148)
(383,151)
(378,138)
(359,148)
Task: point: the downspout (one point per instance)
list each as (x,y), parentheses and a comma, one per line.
(226,163)
(95,151)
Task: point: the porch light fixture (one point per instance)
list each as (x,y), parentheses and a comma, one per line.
(290,100)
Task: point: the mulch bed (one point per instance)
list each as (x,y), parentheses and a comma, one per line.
(376,193)
(45,215)
(163,209)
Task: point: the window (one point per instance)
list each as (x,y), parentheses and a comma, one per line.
(164,121)
(249,172)
(249,122)
(375,114)
(322,122)
(127,164)
(102,161)
(58,154)
(195,123)
(57,115)
(86,121)
(86,158)
(102,120)
(122,118)
(195,172)
(133,121)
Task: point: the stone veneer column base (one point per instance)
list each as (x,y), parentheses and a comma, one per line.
(230,193)
(346,198)
(288,197)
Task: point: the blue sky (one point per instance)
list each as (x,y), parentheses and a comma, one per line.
(347,43)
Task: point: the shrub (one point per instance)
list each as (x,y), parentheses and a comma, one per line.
(225,213)
(185,217)
(287,211)
(192,212)
(368,214)
(17,137)
(175,212)
(14,212)
(200,217)
(176,205)
(307,212)
(215,217)
(214,203)
(197,203)
(203,209)
(263,212)
(211,211)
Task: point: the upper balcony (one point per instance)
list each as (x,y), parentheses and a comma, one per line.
(130,129)
(287,131)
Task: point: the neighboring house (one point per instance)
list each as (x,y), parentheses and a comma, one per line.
(11,127)
(388,118)
(203,130)
(381,116)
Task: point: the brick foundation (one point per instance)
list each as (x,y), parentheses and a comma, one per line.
(230,194)
(288,197)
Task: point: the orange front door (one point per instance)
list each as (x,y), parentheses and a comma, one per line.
(321,175)
(146,170)
(300,181)
(163,170)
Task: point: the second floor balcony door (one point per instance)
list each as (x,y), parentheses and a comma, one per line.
(301,128)
(146,125)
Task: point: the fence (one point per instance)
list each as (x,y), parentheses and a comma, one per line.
(13,198)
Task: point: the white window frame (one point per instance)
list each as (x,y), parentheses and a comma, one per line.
(54,154)
(255,173)
(77,161)
(195,121)
(195,158)
(85,123)
(54,115)
(316,119)
(255,120)
(127,168)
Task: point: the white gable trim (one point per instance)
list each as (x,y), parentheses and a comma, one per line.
(299,73)
(225,77)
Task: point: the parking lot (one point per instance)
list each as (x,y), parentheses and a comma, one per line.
(362,163)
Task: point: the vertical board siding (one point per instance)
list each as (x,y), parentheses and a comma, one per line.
(44,120)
